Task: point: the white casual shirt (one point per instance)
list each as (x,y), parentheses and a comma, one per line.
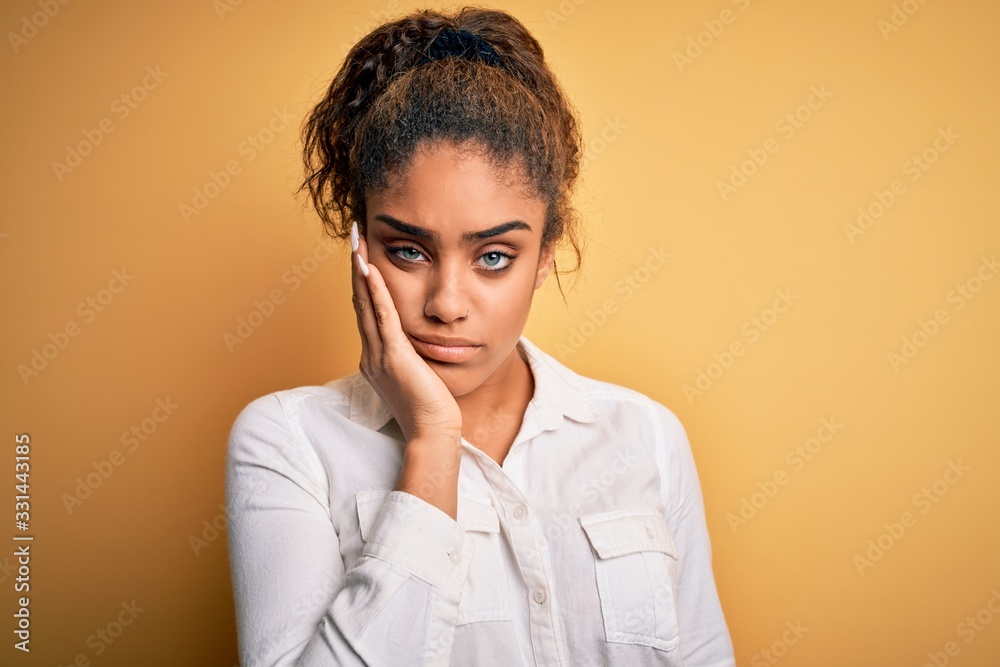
(588,546)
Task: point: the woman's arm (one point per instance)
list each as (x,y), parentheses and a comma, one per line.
(418,398)
(705,639)
(295,603)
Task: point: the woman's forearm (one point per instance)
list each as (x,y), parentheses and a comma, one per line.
(430,470)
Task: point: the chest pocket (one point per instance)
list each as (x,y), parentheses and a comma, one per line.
(635,567)
(485,596)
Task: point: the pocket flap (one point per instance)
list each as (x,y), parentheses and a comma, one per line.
(627,531)
(477,514)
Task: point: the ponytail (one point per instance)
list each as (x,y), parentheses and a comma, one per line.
(387,98)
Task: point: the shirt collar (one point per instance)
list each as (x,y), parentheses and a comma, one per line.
(559,392)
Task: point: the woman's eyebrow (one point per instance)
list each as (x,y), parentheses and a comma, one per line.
(467,238)
(503,228)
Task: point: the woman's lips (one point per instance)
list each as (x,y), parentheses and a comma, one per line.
(444,353)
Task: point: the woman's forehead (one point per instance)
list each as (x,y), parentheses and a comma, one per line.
(443,188)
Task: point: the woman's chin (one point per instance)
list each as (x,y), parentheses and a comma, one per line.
(457,378)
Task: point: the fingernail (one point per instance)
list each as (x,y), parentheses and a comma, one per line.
(364,267)
(354,236)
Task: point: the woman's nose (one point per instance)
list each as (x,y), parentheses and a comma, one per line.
(446,298)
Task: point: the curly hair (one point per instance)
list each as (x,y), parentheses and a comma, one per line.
(387,99)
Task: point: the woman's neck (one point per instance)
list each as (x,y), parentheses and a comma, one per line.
(492,414)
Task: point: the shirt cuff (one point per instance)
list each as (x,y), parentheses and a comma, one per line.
(418,537)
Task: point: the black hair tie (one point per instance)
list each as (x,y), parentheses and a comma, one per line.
(464,44)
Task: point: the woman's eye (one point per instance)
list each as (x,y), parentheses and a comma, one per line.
(411,254)
(496,260)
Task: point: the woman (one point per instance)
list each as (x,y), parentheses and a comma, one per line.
(464,499)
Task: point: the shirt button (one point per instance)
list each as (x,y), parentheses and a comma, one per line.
(539,595)
(649,531)
(455,557)
(519,512)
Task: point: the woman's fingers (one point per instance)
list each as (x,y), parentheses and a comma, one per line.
(367,327)
(417,397)
(390,329)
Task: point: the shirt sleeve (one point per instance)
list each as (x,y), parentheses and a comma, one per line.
(295,602)
(705,640)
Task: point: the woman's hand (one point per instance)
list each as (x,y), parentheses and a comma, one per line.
(420,401)
(418,398)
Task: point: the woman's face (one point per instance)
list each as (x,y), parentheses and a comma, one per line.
(460,253)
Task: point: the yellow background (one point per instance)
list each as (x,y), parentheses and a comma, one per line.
(661,134)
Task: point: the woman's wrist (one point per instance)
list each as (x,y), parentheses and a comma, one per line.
(430,470)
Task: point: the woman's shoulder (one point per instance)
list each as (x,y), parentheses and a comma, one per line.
(285,417)
(298,402)
(619,398)
(280,430)
(615,399)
